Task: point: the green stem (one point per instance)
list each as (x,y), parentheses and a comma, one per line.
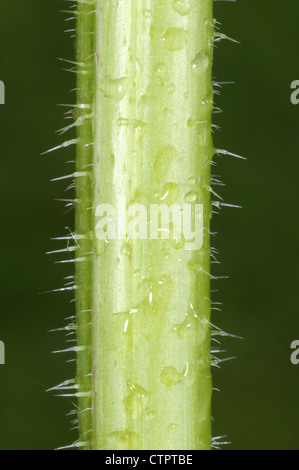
(86,41)
(143,306)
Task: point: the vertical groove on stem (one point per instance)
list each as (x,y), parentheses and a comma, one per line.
(143,306)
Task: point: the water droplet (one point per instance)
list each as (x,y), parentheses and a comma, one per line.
(177,243)
(164,157)
(192,196)
(194,326)
(114,88)
(200,64)
(169,193)
(170,376)
(139,127)
(192,181)
(198,125)
(147,13)
(173,428)
(150,414)
(161,293)
(115,4)
(175,39)
(176,239)
(123,122)
(161,72)
(126,249)
(182,7)
(137,401)
(170,89)
(144,99)
(139,130)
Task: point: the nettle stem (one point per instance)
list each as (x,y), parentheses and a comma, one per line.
(145,102)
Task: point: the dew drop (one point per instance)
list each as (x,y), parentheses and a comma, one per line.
(170,376)
(150,414)
(147,13)
(170,89)
(163,159)
(177,243)
(126,249)
(176,239)
(161,293)
(115,4)
(161,72)
(173,428)
(169,193)
(144,99)
(200,64)
(139,130)
(114,88)
(182,7)
(175,39)
(123,122)
(191,197)
(194,326)
(137,401)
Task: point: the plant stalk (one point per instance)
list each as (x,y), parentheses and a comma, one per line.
(144,110)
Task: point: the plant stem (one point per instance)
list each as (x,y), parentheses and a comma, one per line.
(143,306)
(86,40)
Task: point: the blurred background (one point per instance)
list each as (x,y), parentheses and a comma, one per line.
(258,406)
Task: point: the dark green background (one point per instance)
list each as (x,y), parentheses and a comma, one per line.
(258,407)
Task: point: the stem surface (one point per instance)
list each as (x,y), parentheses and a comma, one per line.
(145,102)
